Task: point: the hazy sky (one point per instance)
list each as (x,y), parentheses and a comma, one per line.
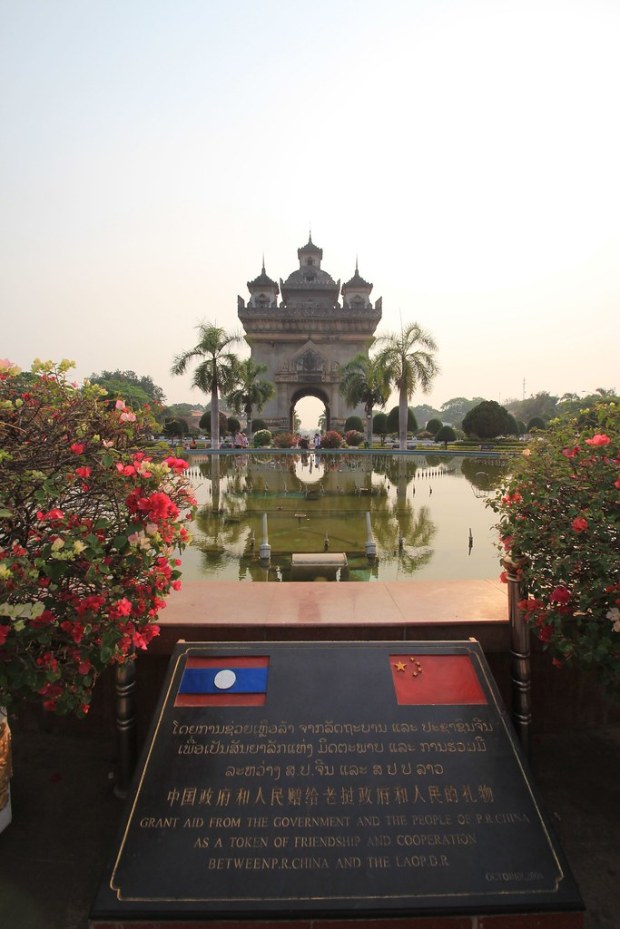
(468,152)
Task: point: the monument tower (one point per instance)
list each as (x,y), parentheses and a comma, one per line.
(307,336)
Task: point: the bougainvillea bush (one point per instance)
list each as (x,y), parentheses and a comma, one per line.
(331,439)
(90,531)
(560,527)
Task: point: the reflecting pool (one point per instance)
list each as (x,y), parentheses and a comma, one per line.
(424,514)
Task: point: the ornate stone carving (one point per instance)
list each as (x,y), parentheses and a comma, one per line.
(285,336)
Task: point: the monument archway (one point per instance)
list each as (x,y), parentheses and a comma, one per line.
(305,338)
(319,395)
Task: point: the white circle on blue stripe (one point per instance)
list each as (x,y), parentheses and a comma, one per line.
(224,680)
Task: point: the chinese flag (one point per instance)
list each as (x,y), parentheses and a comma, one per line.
(222,681)
(435,680)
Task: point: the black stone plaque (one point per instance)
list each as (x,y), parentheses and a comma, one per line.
(326,779)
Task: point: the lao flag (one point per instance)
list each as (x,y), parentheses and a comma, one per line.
(222,681)
(441,680)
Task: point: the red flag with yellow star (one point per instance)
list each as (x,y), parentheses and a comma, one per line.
(435,680)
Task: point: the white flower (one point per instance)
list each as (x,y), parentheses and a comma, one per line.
(614,616)
(139,540)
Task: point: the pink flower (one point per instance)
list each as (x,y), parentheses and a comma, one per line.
(598,439)
(128,417)
(119,405)
(579,524)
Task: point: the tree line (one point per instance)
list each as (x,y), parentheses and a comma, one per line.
(404,362)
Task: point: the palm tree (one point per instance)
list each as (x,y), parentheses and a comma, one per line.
(365,380)
(216,371)
(408,359)
(250,392)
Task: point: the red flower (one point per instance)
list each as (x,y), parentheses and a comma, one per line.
(570,452)
(178,465)
(120,608)
(158,506)
(44,619)
(75,630)
(4,634)
(94,602)
(560,595)
(77,448)
(83,472)
(579,524)
(51,515)
(598,439)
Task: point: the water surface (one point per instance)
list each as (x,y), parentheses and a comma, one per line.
(428,518)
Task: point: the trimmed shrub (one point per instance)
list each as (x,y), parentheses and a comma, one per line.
(536,423)
(487,420)
(380,426)
(283,440)
(393,421)
(353,424)
(233,426)
(262,438)
(354,438)
(175,427)
(445,434)
(205,422)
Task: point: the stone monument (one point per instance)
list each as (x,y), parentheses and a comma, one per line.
(306,337)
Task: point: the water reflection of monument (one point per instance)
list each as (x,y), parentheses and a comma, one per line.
(316,503)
